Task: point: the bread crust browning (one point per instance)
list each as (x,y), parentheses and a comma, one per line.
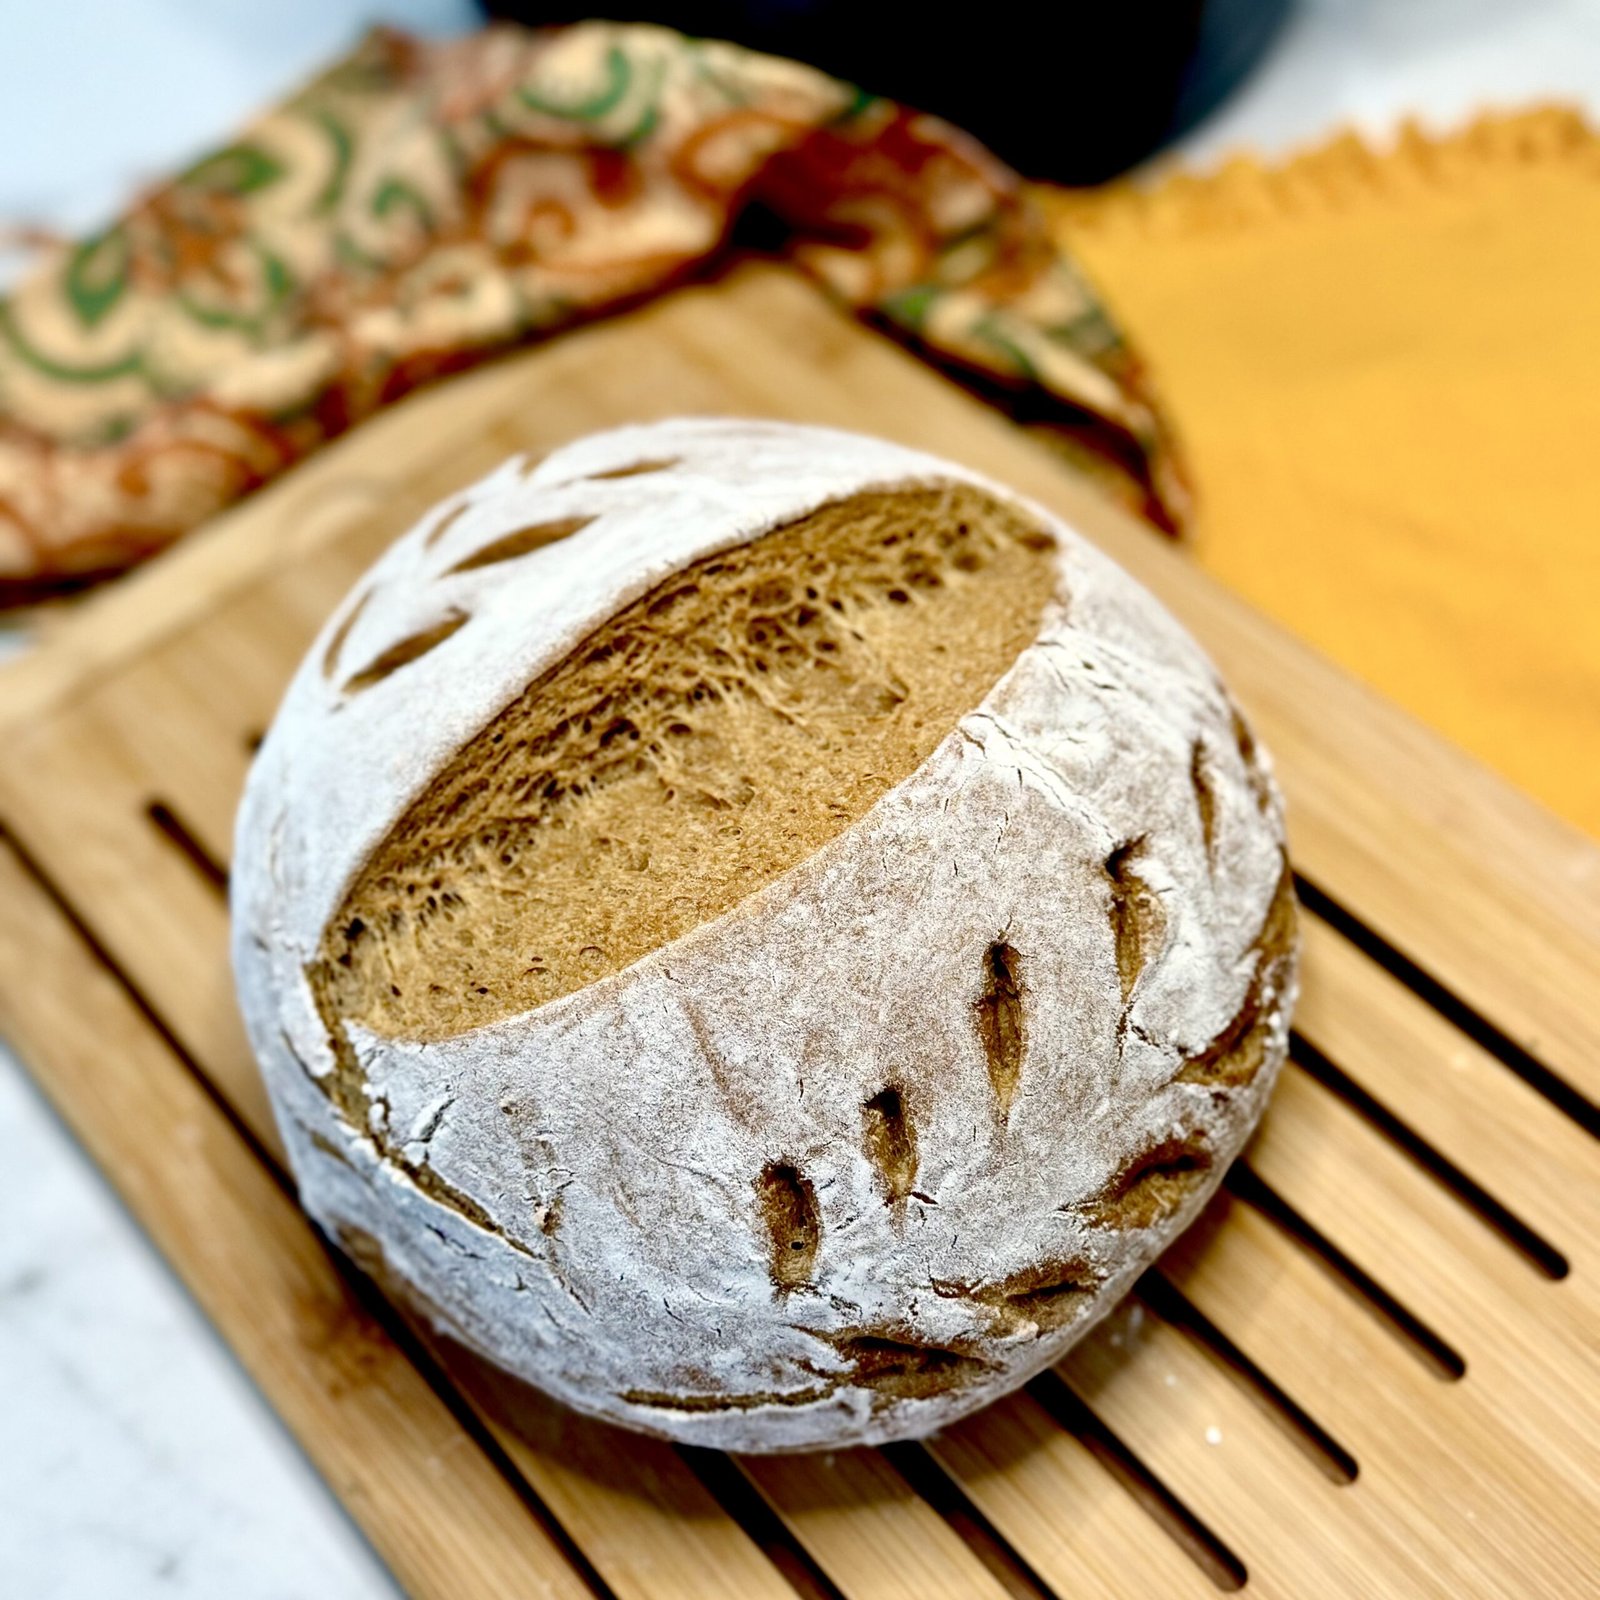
(874,1132)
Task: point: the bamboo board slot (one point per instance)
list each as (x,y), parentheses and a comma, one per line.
(1527,1241)
(1477,1027)
(1436,1352)
(1186,1530)
(1169,1302)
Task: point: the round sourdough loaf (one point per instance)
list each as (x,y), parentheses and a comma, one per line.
(758,931)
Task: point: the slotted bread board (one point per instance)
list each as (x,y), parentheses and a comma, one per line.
(1372,1369)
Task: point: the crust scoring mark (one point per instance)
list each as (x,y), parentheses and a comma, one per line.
(1255,773)
(889,1361)
(523,542)
(444,524)
(1049,1294)
(1152,1186)
(1155,1184)
(891,1144)
(1000,1024)
(1235,1055)
(1205,797)
(788,1203)
(636,469)
(330,656)
(700,1404)
(1137,919)
(412,648)
(896,1365)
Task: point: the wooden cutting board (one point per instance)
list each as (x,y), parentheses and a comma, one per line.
(1372,1369)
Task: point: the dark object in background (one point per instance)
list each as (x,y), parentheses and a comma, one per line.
(1073,93)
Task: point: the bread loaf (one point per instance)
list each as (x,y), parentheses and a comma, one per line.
(760,932)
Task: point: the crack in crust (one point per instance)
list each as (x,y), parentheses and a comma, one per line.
(444,524)
(330,656)
(888,1361)
(1151,1187)
(701,1404)
(1048,1295)
(1254,769)
(320,1141)
(896,1365)
(346,1088)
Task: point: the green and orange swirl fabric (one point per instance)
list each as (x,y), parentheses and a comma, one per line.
(420,207)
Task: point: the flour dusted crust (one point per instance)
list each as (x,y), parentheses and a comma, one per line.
(869,1148)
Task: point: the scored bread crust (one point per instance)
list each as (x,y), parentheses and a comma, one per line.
(976,1059)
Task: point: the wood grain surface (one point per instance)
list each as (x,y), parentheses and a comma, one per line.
(1370,1369)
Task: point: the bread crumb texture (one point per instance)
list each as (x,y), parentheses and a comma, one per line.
(692,748)
(759,931)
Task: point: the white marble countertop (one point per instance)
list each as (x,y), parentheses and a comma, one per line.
(136,1459)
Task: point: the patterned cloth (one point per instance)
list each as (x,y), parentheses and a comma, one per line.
(420,207)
